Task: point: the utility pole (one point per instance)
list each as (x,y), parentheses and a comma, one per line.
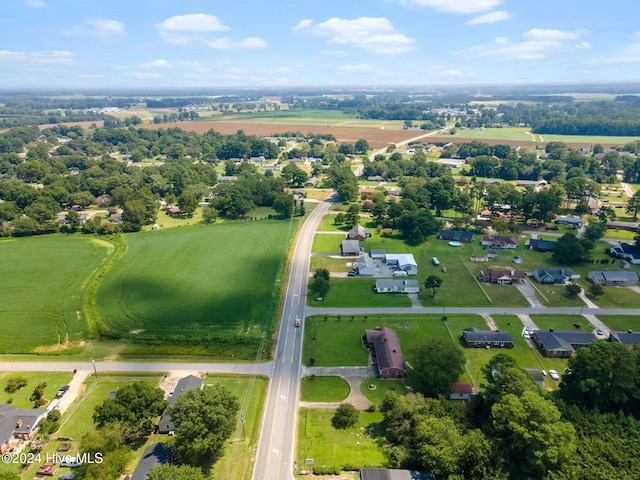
(95,370)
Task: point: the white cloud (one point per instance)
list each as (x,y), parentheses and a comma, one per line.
(276,71)
(104,27)
(441,73)
(354,69)
(145,75)
(375,35)
(627,54)
(491,17)
(227,43)
(34,3)
(99,27)
(37,58)
(160,63)
(188,29)
(538,44)
(454,6)
(302,25)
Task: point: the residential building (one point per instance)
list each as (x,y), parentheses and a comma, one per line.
(190,382)
(492,241)
(393,474)
(154,455)
(626,251)
(475,337)
(611,278)
(350,248)
(461,391)
(502,277)
(552,276)
(402,261)
(388,285)
(537,375)
(378,253)
(18,425)
(228,179)
(358,232)
(629,337)
(561,343)
(572,220)
(385,346)
(312,182)
(365,265)
(538,245)
(456,235)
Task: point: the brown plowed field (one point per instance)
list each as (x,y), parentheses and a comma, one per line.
(377,138)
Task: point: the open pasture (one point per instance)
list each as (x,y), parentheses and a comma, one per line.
(210,285)
(43,280)
(376,137)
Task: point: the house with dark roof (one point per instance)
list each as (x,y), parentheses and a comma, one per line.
(552,276)
(537,375)
(627,252)
(476,337)
(18,425)
(393,474)
(456,235)
(614,279)
(492,241)
(629,337)
(385,346)
(190,382)
(358,232)
(388,285)
(573,220)
(561,343)
(154,455)
(350,248)
(539,245)
(502,277)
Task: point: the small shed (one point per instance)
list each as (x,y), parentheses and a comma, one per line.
(461,391)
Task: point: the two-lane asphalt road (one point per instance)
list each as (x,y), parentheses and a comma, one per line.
(275,456)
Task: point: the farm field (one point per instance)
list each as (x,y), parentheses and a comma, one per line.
(376,137)
(43,280)
(189,286)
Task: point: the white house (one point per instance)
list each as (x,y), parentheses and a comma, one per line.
(387,285)
(402,261)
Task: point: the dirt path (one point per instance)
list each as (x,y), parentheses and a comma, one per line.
(489,321)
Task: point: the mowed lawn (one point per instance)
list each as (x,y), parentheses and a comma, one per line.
(329,447)
(213,282)
(43,280)
(358,292)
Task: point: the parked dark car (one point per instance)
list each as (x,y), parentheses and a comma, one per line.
(62,390)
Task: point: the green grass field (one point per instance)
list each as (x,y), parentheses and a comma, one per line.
(20,399)
(237,460)
(381,388)
(621,323)
(43,280)
(324,389)
(328,447)
(358,292)
(192,286)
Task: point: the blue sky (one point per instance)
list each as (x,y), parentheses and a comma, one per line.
(254,43)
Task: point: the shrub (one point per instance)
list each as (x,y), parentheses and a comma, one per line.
(346,416)
(15,383)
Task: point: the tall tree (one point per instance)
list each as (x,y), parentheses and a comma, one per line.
(204,420)
(633,206)
(437,364)
(433,282)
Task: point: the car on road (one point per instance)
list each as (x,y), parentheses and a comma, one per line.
(67,476)
(297,322)
(62,390)
(352,273)
(554,375)
(600,331)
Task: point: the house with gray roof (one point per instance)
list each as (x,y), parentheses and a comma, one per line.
(561,343)
(402,261)
(552,276)
(18,425)
(388,285)
(154,455)
(476,337)
(190,382)
(393,474)
(358,232)
(350,248)
(385,346)
(365,265)
(615,279)
(378,253)
(573,220)
(493,241)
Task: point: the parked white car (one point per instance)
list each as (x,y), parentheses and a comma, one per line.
(553,374)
